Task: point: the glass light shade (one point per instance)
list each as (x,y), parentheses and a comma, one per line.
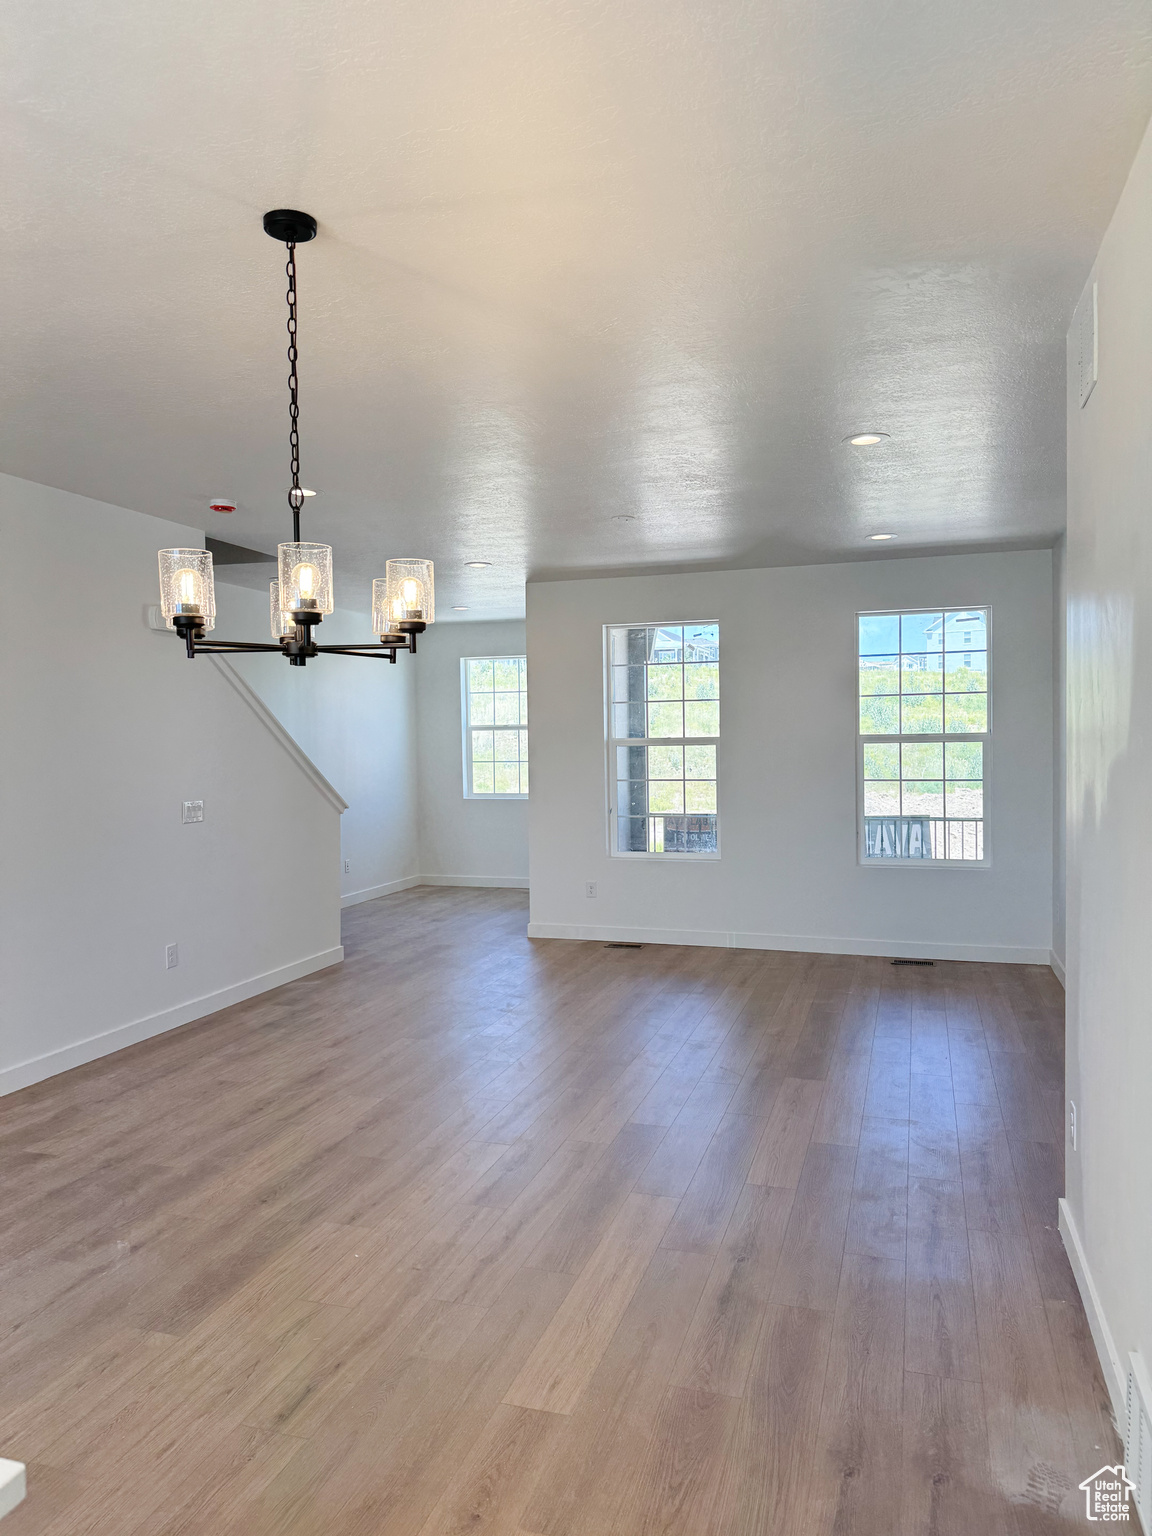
(186,585)
(382,621)
(305,578)
(410,592)
(283,624)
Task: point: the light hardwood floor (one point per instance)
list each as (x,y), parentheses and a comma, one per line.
(477,1234)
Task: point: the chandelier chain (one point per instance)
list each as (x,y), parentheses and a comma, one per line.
(295,494)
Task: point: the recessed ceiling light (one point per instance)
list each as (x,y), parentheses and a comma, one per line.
(477,565)
(303,492)
(866,439)
(460,609)
(878,536)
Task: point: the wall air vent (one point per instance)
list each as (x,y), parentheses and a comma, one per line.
(912,962)
(1138,1440)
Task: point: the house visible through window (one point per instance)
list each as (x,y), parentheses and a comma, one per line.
(495,709)
(924,735)
(663,730)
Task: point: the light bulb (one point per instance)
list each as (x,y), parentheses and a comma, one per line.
(411,595)
(305,578)
(186,590)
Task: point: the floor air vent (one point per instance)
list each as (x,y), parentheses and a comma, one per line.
(1138,1440)
(622,944)
(913,962)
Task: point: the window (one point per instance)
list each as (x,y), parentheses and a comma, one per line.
(663,729)
(924,735)
(494,690)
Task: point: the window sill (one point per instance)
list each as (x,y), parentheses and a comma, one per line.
(970,864)
(671,858)
(504,798)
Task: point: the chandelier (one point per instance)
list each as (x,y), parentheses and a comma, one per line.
(403,599)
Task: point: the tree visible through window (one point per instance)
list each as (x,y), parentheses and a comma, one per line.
(495,690)
(664,726)
(924,734)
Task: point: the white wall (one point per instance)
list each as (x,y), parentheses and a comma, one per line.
(789,876)
(1109,579)
(107,729)
(389,739)
(481,842)
(1059,755)
(356,720)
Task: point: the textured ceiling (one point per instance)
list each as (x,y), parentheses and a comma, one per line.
(579,261)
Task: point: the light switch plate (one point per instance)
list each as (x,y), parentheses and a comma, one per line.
(193,811)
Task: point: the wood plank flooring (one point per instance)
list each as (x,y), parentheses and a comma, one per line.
(548,1239)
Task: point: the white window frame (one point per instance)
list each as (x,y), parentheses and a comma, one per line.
(466,730)
(612,742)
(945,736)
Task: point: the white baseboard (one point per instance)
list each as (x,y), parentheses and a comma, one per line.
(25,1073)
(802,943)
(495,882)
(629,935)
(354,898)
(1057,965)
(1115,1376)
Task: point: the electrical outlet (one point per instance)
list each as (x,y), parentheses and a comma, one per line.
(171,957)
(192,810)
(347,866)
(590,888)
(1072,1128)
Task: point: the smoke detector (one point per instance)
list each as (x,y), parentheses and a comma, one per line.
(220,505)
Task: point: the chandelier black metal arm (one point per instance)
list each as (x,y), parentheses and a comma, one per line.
(299,647)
